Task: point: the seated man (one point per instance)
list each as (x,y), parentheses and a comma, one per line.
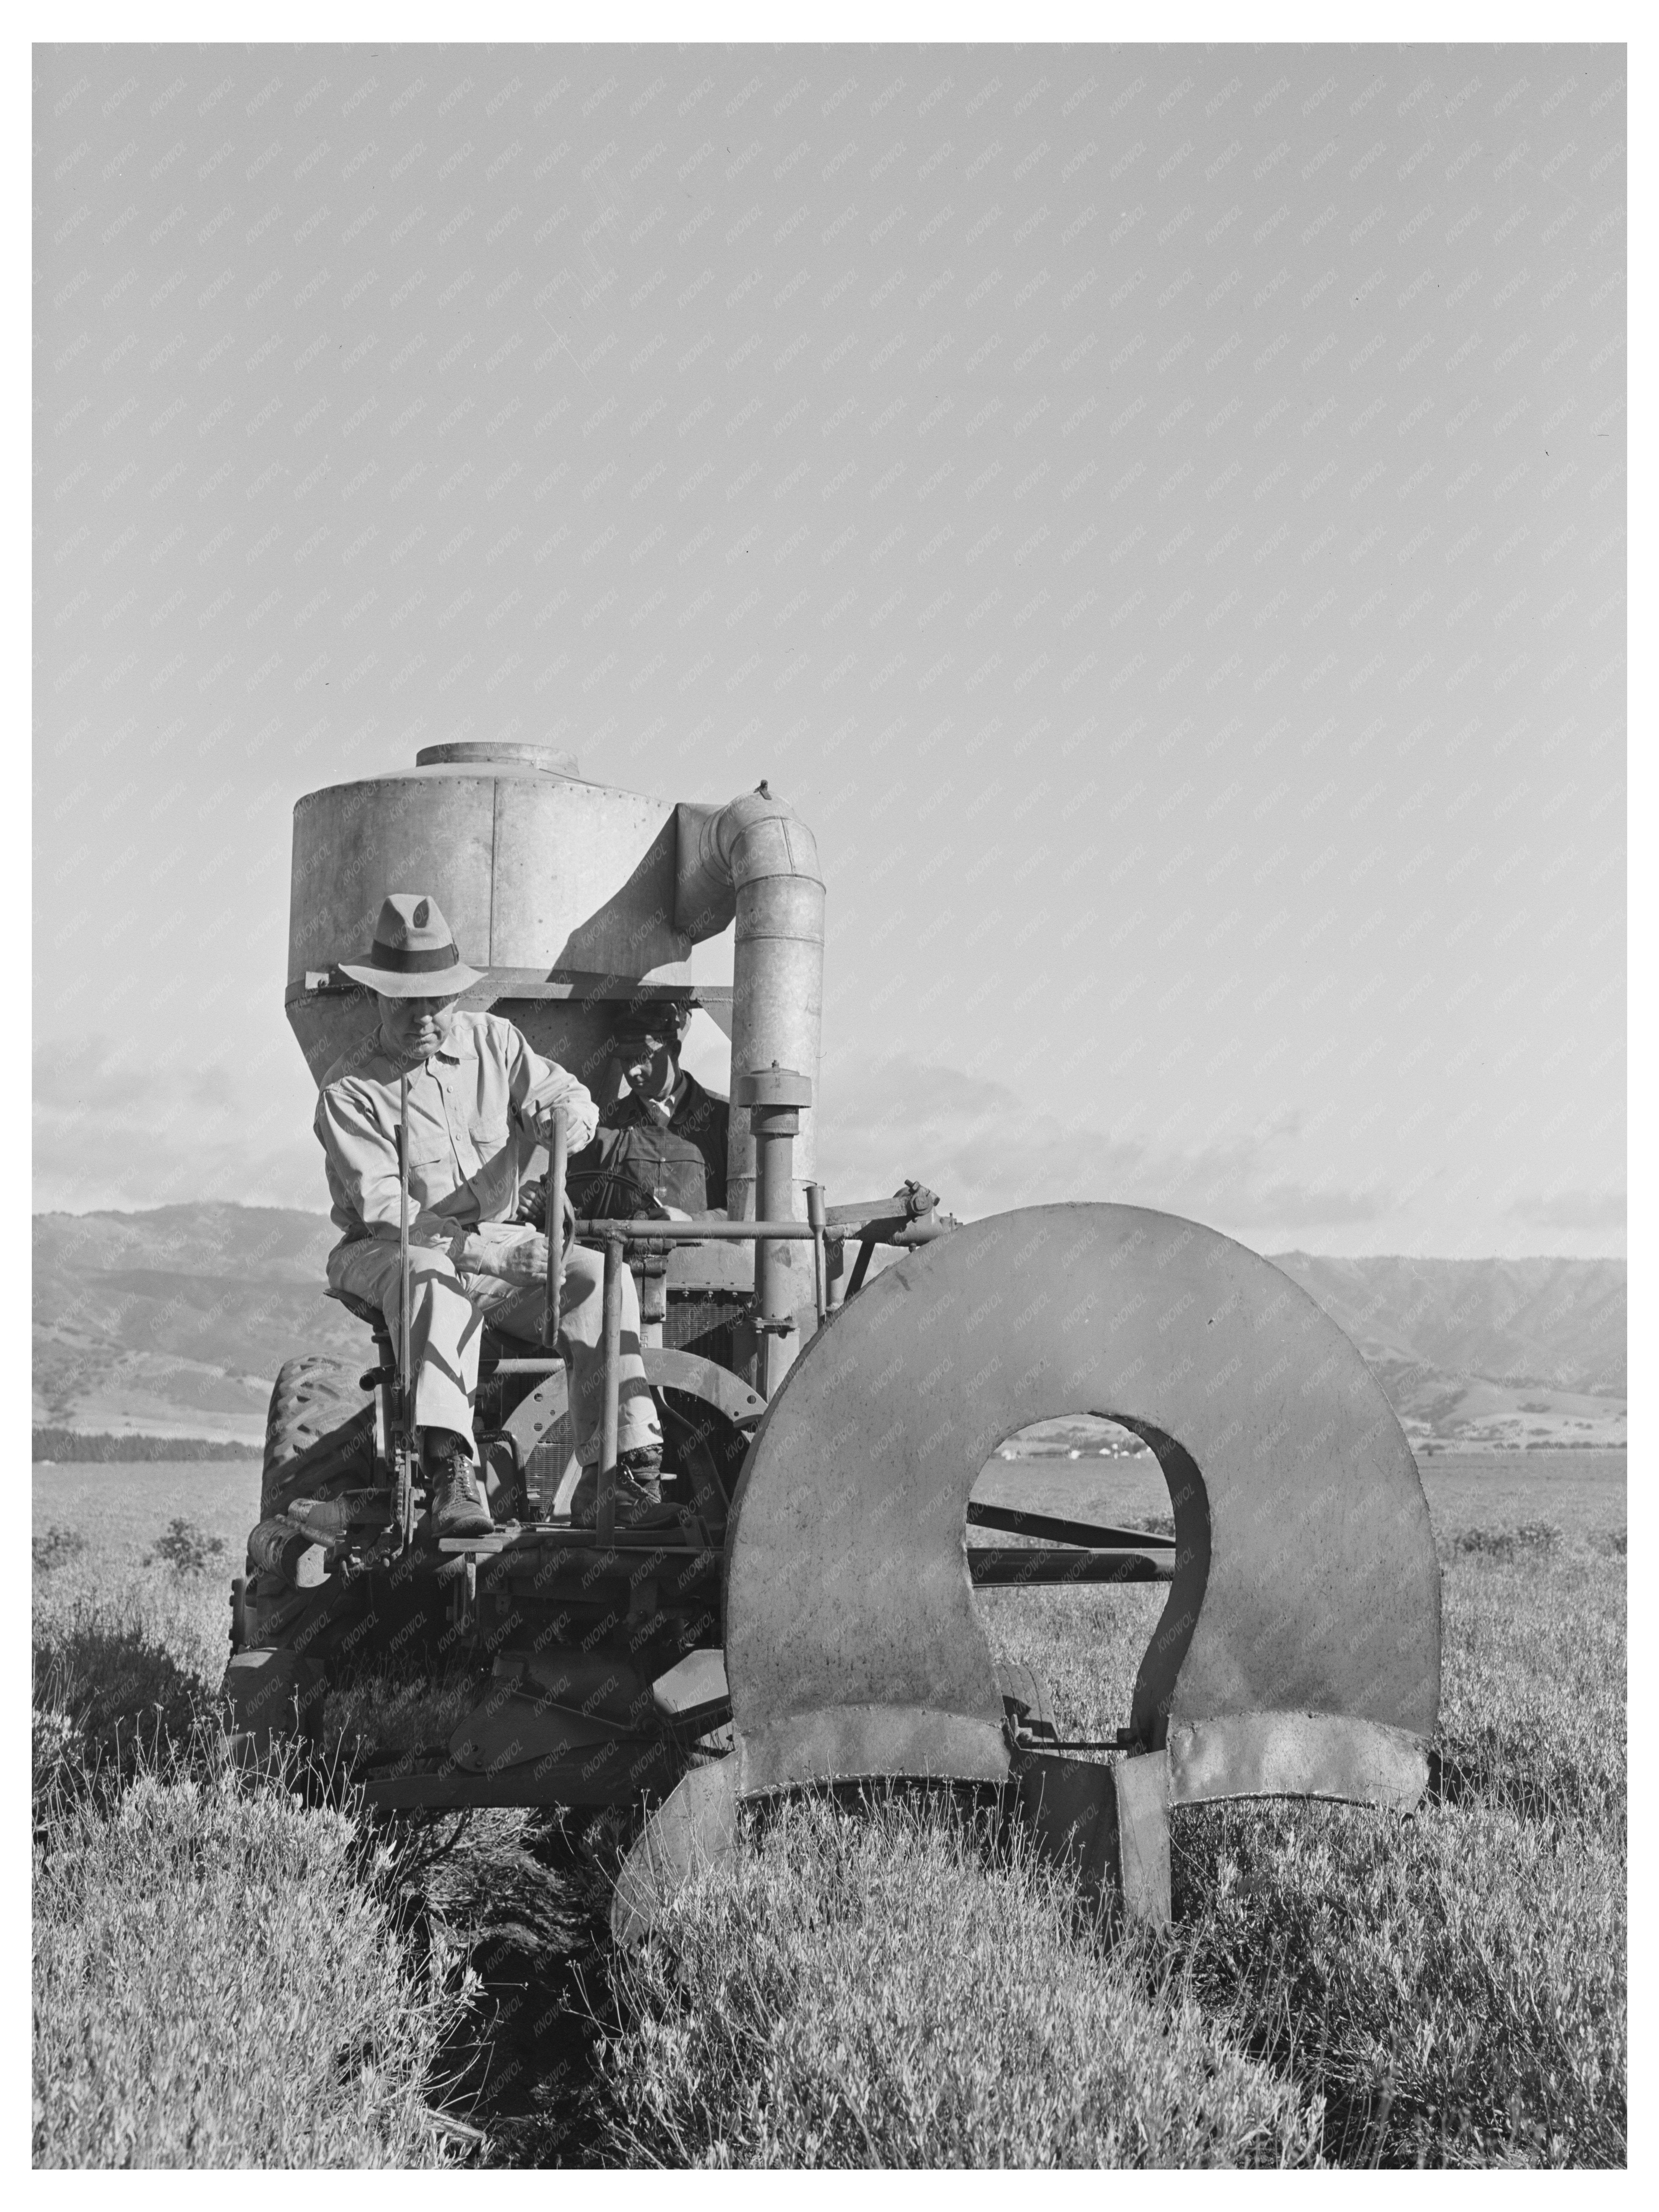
(479,1100)
(662,1146)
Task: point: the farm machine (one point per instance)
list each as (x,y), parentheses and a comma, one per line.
(811,1618)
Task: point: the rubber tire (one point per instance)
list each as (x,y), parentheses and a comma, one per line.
(319,1412)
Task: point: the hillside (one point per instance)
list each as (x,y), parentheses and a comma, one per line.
(174,1321)
(1500,1352)
(1559,1323)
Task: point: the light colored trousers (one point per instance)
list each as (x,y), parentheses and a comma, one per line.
(446,1320)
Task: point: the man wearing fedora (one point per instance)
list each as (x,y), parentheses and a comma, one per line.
(479,1102)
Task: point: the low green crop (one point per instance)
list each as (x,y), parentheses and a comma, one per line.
(884,1990)
(223,1975)
(1339,1987)
(226,1976)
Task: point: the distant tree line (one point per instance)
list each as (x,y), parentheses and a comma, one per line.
(69,1445)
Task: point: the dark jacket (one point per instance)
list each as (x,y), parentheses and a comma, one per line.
(635,1157)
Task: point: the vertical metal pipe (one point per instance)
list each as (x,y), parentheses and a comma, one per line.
(776,1011)
(820,1260)
(774,1148)
(774,1096)
(754,861)
(405,1380)
(605,1513)
(553,1221)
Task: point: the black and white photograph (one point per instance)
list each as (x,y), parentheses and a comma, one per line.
(829,946)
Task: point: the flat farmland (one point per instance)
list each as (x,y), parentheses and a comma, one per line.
(1578,1491)
(1582,1493)
(120,1509)
(892,1988)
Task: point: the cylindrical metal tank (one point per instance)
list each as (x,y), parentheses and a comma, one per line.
(561,890)
(575,898)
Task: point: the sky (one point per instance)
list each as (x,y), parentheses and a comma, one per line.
(1158,514)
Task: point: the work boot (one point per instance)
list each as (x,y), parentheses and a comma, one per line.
(638,1493)
(458,1505)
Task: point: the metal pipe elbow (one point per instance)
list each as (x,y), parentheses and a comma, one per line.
(721,850)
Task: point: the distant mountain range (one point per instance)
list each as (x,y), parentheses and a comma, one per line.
(174,1322)
(1485,1351)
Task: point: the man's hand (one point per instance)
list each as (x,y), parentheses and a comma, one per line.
(526,1262)
(514,1254)
(580,1123)
(533,1206)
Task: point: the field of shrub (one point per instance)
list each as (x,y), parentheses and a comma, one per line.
(236,1978)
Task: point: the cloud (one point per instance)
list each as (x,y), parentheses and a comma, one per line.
(116,1128)
(1574,1209)
(986,1149)
(77,1075)
(1303,1206)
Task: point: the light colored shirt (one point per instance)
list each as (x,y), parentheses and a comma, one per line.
(661,1110)
(472,1113)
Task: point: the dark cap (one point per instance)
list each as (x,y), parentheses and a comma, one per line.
(664,1019)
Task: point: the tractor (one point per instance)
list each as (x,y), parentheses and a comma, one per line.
(811,1620)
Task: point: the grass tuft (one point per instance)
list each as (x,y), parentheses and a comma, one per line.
(218,1982)
(223,1975)
(56,1548)
(122,1671)
(185,1548)
(1439,2025)
(227,1977)
(1340,1986)
(882,1990)
(1505,1543)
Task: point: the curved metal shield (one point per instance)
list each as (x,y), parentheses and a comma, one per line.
(1305,1583)
(1297,1654)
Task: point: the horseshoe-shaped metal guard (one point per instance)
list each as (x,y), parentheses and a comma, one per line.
(1299,1652)
(1299,1649)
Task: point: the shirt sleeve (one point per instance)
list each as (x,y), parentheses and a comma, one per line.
(536,1084)
(363,1168)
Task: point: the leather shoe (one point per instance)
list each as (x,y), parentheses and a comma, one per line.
(638,1493)
(459,1507)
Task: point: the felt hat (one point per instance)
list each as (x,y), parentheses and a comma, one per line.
(413,954)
